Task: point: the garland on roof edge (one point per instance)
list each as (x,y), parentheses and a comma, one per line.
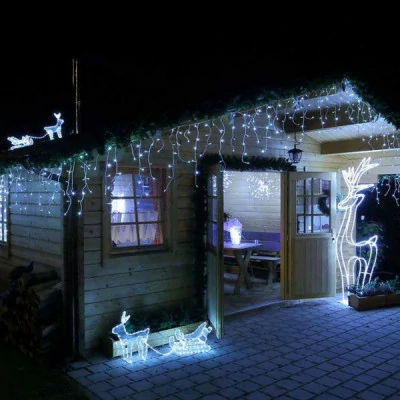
(255,163)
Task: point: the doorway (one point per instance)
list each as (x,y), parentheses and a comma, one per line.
(253,198)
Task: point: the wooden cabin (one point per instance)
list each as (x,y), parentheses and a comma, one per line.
(128,228)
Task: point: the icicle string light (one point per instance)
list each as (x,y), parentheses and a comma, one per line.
(332,107)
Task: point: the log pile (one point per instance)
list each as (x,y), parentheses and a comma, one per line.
(31,313)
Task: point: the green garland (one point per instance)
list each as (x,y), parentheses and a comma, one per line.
(249,164)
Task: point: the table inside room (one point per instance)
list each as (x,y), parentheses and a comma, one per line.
(242,253)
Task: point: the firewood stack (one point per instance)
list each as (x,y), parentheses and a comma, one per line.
(31,313)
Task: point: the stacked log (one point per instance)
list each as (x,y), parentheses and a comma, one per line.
(31,313)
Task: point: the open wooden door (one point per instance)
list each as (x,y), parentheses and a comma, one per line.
(308,264)
(214,249)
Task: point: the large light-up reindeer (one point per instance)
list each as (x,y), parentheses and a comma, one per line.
(359,265)
(128,340)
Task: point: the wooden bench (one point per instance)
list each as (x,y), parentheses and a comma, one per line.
(267,263)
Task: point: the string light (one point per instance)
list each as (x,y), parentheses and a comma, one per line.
(227,180)
(261,185)
(333,106)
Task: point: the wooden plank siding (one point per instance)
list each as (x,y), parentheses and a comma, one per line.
(108,285)
(140,282)
(148,281)
(36,224)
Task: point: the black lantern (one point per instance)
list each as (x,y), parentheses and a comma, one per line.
(295,153)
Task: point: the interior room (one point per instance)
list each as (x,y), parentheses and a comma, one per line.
(252,210)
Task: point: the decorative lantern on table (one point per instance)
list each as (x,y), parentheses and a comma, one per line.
(234,227)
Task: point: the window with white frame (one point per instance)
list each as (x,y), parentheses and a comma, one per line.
(3,209)
(138,204)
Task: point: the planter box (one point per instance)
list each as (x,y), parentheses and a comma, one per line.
(393,299)
(112,347)
(370,302)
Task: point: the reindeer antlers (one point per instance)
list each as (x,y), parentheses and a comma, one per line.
(124,318)
(352,177)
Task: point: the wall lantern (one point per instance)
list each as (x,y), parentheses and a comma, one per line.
(295,153)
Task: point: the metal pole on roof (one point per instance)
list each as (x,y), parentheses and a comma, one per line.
(76,86)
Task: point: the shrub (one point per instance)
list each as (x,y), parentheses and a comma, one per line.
(375,287)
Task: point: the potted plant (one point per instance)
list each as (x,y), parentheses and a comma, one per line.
(374,294)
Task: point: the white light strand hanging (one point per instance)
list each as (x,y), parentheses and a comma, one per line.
(234,133)
(262,185)
(227,180)
(346,233)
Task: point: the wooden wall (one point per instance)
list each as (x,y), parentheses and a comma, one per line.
(255,214)
(108,284)
(36,224)
(133,283)
(141,282)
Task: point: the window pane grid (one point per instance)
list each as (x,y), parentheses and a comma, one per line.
(137,209)
(313,205)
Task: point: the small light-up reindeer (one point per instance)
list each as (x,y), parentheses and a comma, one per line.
(346,233)
(51,130)
(128,340)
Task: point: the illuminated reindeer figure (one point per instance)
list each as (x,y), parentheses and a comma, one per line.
(51,130)
(128,340)
(346,233)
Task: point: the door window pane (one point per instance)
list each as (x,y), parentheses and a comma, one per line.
(313,206)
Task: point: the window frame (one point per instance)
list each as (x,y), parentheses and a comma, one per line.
(5,225)
(165,210)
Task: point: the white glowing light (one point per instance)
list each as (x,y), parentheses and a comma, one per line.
(51,130)
(128,340)
(190,343)
(227,180)
(27,140)
(194,140)
(346,232)
(261,185)
(236,235)
(180,344)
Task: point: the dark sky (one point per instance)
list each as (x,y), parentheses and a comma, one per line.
(148,82)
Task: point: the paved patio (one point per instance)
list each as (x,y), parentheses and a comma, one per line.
(318,349)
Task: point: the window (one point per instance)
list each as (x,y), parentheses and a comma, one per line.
(138,204)
(313,205)
(3,209)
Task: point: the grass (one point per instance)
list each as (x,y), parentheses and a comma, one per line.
(24,378)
